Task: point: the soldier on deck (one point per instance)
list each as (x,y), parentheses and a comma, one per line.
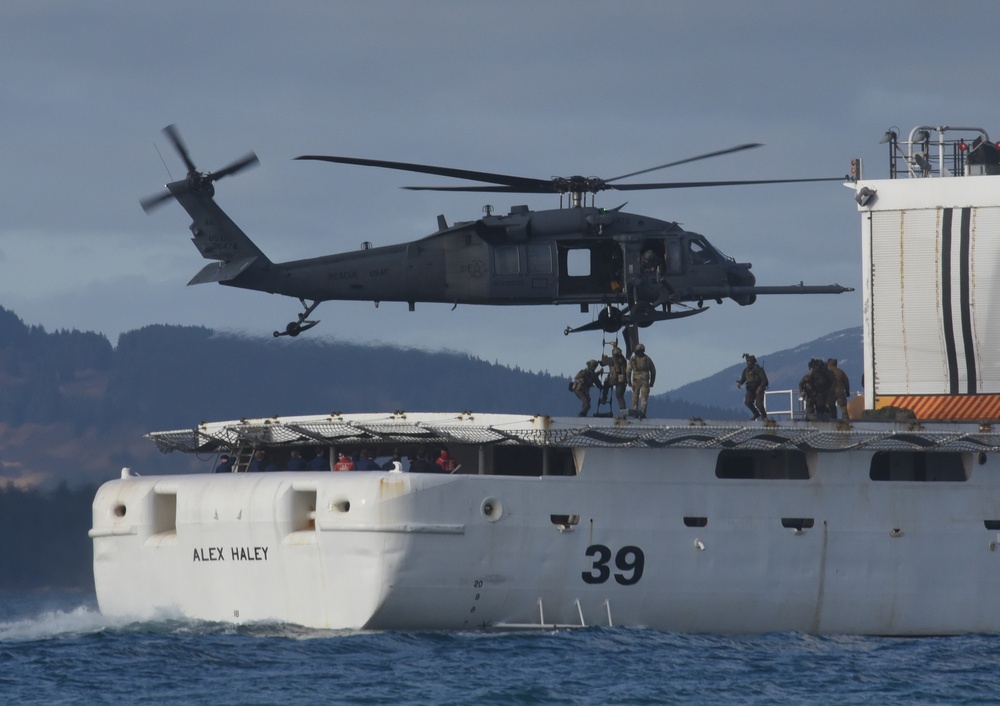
(617,376)
(582,382)
(756,381)
(816,389)
(841,389)
(641,375)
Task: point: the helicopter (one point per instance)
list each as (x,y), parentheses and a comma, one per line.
(635,269)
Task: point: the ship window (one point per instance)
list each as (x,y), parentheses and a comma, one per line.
(798,523)
(539,259)
(531,461)
(917,466)
(505,260)
(784,464)
(695,521)
(992,524)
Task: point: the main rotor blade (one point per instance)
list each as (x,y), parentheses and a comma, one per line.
(151,202)
(541,185)
(698,184)
(175,137)
(738,148)
(544,188)
(505,183)
(247,160)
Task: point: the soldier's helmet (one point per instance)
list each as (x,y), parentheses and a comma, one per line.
(831,361)
(591,364)
(640,348)
(751,359)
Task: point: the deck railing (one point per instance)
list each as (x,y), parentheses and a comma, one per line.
(784,403)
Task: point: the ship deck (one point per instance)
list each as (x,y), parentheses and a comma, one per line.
(572,432)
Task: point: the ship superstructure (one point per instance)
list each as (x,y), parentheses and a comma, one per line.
(930,238)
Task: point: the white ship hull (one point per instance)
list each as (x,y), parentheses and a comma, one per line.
(637,537)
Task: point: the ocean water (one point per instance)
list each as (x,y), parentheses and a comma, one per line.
(56,648)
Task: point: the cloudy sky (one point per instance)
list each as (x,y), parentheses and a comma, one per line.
(520,87)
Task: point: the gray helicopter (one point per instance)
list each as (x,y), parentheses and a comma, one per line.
(635,269)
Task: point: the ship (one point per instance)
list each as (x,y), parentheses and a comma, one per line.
(887,524)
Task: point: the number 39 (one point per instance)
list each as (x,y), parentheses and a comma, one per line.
(629,560)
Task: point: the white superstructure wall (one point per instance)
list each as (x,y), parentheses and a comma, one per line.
(932,295)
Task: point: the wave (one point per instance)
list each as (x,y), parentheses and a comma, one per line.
(57,623)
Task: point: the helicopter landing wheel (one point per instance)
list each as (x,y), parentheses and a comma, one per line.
(293,329)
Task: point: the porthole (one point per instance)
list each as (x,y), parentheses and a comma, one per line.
(492,509)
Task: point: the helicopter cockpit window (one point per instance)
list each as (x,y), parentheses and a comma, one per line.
(505,260)
(539,259)
(700,254)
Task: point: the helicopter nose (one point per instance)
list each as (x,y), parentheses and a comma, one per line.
(741,277)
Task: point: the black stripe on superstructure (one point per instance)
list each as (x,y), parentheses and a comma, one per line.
(946,318)
(965,298)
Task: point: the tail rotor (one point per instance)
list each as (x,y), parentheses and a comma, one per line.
(195,180)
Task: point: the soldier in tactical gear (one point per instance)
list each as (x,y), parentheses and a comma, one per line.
(650,261)
(641,374)
(841,389)
(617,376)
(816,389)
(582,382)
(756,381)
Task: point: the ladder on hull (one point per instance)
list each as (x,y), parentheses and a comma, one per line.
(542,625)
